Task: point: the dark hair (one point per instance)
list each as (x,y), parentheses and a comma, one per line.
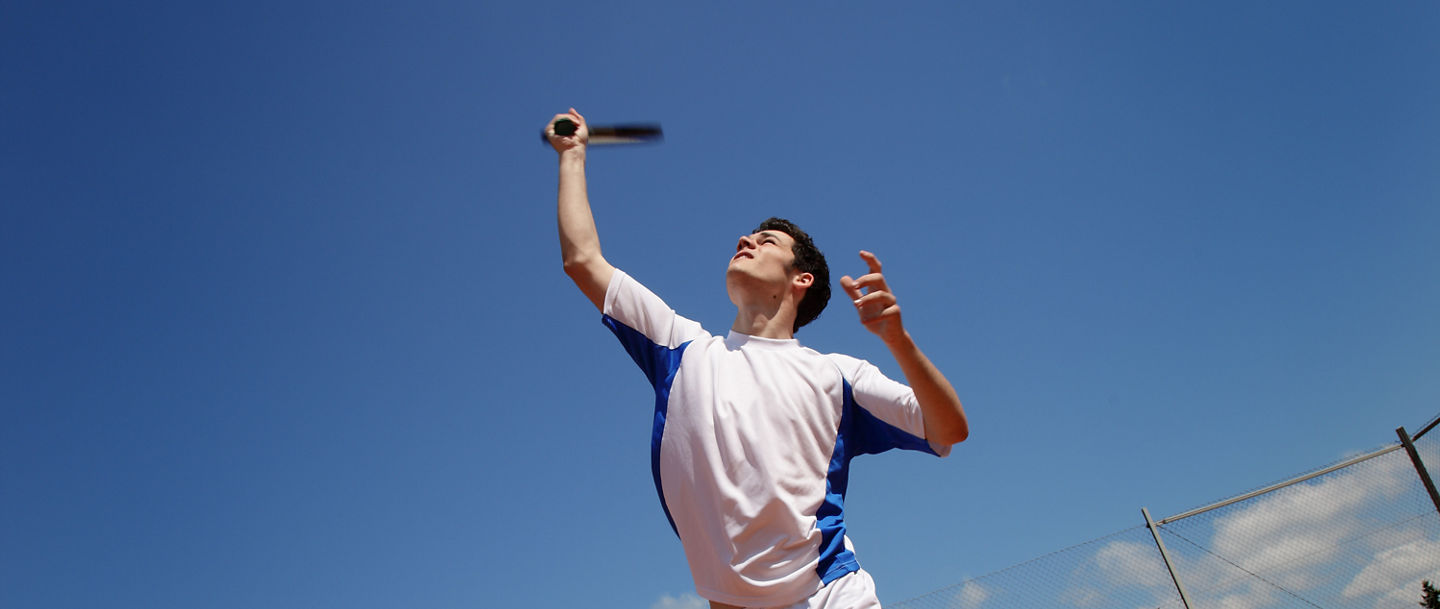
(808,259)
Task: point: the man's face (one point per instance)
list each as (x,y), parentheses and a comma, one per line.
(765,257)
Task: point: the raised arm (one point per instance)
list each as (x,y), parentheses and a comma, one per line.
(579,241)
(945,420)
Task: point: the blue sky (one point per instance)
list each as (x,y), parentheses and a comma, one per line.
(285,324)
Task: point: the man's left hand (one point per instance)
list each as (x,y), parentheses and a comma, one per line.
(877,306)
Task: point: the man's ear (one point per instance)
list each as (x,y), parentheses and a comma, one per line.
(803,280)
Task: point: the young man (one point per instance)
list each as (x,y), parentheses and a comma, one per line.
(753,434)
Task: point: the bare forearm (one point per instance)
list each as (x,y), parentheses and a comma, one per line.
(579,240)
(944,415)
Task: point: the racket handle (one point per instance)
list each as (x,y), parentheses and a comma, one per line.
(563,127)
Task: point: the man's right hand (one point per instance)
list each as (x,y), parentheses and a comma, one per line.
(562,143)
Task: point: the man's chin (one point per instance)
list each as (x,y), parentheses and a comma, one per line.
(736,275)
(739,271)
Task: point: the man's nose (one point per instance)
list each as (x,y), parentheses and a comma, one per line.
(745,242)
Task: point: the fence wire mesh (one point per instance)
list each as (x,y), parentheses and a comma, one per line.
(1123,569)
(1362,536)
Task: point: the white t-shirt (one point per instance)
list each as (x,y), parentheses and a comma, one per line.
(751,447)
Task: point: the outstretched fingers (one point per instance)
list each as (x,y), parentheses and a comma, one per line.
(874,302)
(874,281)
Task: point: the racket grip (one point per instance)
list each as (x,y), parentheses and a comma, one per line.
(563,127)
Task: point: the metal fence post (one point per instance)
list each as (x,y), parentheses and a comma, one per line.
(1164,555)
(1419,465)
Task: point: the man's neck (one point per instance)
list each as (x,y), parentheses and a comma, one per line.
(764,323)
(766,311)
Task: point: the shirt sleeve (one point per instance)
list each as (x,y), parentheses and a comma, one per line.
(651,332)
(891,404)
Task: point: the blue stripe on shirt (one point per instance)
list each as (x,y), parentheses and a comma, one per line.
(659,364)
(861,433)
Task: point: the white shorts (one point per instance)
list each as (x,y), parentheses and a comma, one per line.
(852,591)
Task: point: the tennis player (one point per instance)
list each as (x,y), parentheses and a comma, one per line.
(753,433)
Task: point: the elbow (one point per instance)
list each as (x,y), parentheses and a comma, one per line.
(954,435)
(961,435)
(962,429)
(574,267)
(955,431)
(579,266)
(592,275)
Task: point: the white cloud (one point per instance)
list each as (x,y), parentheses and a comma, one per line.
(1395,574)
(1130,569)
(1084,596)
(684,601)
(1296,536)
(1252,595)
(1129,563)
(1302,526)
(971,595)
(1304,539)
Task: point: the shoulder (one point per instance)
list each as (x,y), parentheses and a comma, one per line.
(847,363)
(625,290)
(624,286)
(631,304)
(864,376)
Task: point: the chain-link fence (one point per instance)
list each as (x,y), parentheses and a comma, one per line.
(1363,534)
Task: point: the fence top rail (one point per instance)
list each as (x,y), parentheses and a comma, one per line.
(1426,428)
(1280,485)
